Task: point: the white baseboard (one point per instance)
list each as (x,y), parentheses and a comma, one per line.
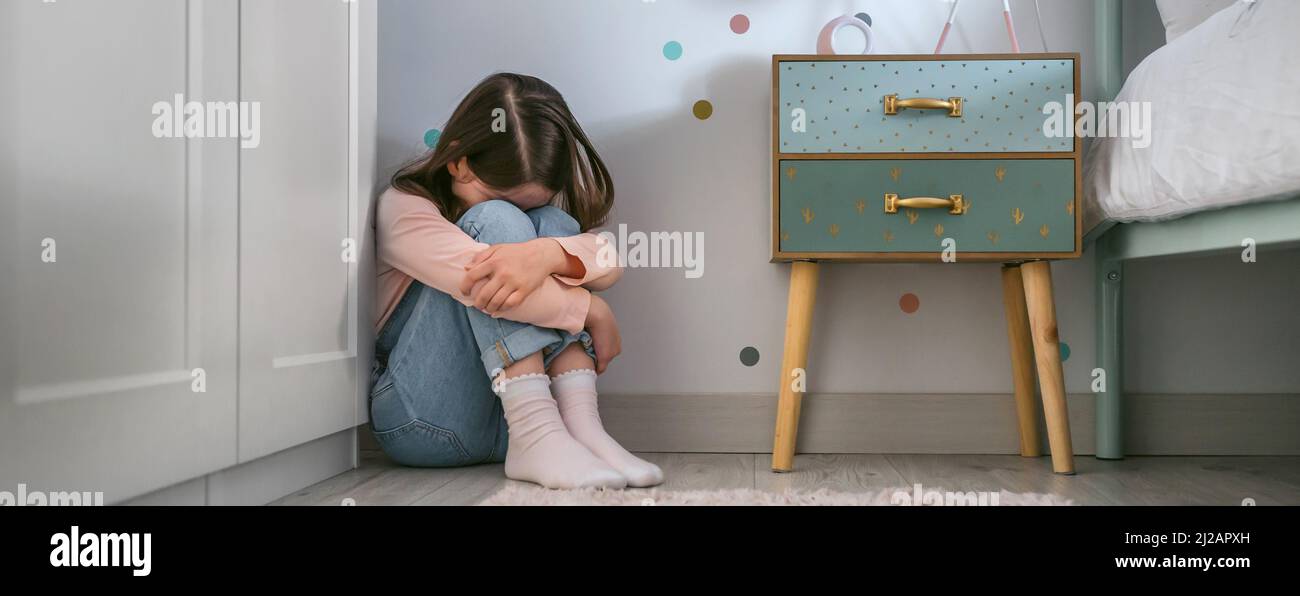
(188,493)
(265,479)
(1154,424)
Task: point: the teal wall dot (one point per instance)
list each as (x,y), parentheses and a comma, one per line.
(749,356)
(672,50)
(431,137)
(1065,351)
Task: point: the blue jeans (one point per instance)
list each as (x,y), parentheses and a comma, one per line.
(431,402)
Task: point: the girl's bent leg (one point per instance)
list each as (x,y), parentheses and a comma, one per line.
(574,387)
(514,355)
(573,383)
(503,342)
(553,222)
(572,357)
(431,405)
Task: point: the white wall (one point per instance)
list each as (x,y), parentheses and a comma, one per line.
(674,172)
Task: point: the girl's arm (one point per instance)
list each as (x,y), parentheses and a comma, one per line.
(512,271)
(606,281)
(415,239)
(598,259)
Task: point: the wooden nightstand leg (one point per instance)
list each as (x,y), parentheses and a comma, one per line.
(798,331)
(1047,352)
(1022,359)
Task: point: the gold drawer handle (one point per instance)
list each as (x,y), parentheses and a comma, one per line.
(893,104)
(954,203)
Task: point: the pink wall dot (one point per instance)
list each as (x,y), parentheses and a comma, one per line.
(909,303)
(739,24)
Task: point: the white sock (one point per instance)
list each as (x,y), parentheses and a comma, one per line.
(540,448)
(575,391)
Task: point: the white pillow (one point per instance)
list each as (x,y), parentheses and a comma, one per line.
(1223,128)
(1180,16)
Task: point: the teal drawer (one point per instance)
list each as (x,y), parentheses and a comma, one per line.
(835,208)
(840,103)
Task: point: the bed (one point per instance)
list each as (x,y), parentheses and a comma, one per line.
(1221,173)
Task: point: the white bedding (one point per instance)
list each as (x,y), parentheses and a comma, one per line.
(1225,129)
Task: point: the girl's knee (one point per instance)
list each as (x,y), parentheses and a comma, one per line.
(553,222)
(497,222)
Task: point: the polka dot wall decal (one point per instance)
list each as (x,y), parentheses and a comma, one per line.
(672,50)
(431,137)
(909,303)
(866,18)
(749,356)
(1065,351)
(702,109)
(739,24)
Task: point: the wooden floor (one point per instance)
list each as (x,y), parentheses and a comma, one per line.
(1134,481)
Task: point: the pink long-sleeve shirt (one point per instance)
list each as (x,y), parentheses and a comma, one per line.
(415,242)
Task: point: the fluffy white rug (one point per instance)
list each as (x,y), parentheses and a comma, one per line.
(517,493)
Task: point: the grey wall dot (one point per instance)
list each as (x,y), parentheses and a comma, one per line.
(749,356)
(866,18)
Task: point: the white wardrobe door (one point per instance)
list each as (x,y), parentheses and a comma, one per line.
(298,303)
(119,248)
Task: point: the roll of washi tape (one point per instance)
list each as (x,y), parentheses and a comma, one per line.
(826,39)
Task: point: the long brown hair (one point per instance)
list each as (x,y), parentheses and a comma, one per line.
(542,143)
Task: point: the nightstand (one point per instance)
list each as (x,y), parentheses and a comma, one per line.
(929,158)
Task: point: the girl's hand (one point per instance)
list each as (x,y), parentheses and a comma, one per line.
(510,272)
(604,333)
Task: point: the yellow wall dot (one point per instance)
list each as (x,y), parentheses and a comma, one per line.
(702,109)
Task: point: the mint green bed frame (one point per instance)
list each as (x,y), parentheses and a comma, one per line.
(1270,224)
